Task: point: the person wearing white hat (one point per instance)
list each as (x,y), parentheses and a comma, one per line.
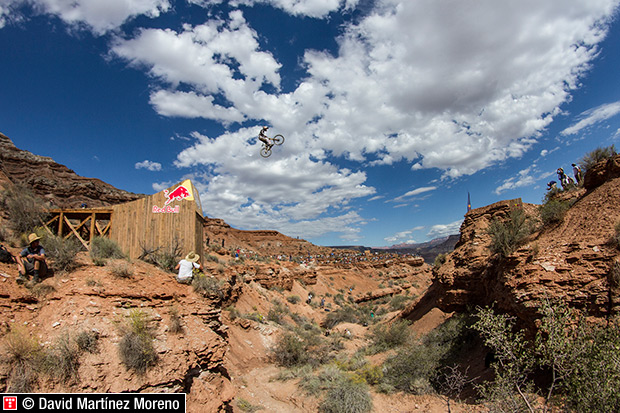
(31,261)
(186,268)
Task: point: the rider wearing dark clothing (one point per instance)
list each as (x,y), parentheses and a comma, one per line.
(263,138)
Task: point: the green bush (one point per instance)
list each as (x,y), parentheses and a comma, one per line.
(120,269)
(136,348)
(26,210)
(398,302)
(207,286)
(293,299)
(176,324)
(62,361)
(440,260)
(579,356)
(385,337)
(509,233)
(552,212)
(290,350)
(597,155)
(61,251)
(24,358)
(103,248)
(415,367)
(88,341)
(347,396)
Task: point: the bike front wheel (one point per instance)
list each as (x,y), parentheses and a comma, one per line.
(265,152)
(278,140)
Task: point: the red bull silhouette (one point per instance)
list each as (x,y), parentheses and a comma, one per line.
(179,193)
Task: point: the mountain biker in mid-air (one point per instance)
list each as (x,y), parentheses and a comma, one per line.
(268,142)
(263,138)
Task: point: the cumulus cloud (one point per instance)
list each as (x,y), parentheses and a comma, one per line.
(593,116)
(291,192)
(96,15)
(150,165)
(457,86)
(443,230)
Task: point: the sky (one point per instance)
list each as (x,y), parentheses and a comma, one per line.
(393,111)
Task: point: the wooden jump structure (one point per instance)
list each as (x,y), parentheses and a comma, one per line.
(84,224)
(171,217)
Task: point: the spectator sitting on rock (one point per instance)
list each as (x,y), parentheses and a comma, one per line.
(31,261)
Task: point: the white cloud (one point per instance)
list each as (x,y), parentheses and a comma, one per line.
(310,8)
(415,192)
(526,177)
(150,165)
(443,230)
(99,16)
(458,99)
(593,116)
(289,192)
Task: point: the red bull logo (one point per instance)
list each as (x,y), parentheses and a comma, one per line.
(179,193)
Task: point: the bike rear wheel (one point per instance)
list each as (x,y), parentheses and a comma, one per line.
(278,139)
(265,152)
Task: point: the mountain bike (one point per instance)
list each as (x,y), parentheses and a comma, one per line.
(265,151)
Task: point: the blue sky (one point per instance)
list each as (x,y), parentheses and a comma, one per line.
(393,110)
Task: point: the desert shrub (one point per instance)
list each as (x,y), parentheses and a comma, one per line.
(176,324)
(346,314)
(576,353)
(102,248)
(136,348)
(26,211)
(597,155)
(62,360)
(246,406)
(88,341)
(509,233)
(553,211)
(23,356)
(415,367)
(440,260)
(42,290)
(120,269)
(277,312)
(61,251)
(293,299)
(290,350)
(398,302)
(385,337)
(164,258)
(212,258)
(347,396)
(207,286)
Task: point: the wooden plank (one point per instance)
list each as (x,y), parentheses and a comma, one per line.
(76,234)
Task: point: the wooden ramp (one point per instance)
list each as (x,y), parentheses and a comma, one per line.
(84,224)
(171,217)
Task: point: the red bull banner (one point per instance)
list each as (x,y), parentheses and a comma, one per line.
(180,193)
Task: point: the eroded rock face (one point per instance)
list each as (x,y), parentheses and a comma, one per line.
(571,262)
(54,182)
(602,172)
(92,300)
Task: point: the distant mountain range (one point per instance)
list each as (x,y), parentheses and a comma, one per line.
(427,250)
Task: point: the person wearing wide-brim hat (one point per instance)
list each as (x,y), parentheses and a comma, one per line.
(186,267)
(31,261)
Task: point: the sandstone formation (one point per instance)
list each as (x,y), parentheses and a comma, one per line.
(575,261)
(57,184)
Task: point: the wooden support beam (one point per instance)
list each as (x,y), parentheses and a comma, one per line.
(76,234)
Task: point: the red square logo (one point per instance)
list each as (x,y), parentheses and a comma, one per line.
(9,403)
